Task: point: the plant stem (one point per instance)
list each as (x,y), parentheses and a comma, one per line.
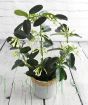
(67,36)
(67,39)
(41,45)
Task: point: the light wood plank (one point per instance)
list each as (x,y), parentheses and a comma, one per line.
(6,58)
(84,46)
(6,75)
(81,75)
(5,87)
(22,92)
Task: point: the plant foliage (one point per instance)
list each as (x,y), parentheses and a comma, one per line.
(39,66)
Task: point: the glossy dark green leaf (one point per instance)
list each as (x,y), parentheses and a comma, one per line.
(20,34)
(76,35)
(42,77)
(58,29)
(61,17)
(63,75)
(66,63)
(30,37)
(18,27)
(20,13)
(62,28)
(35,9)
(30,73)
(9,39)
(46,28)
(71,60)
(25,49)
(18,63)
(32,62)
(39,21)
(49,64)
(48,42)
(27,26)
(33,54)
(50,60)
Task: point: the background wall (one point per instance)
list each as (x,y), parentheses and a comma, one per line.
(76,10)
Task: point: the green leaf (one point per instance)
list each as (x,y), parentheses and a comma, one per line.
(20,13)
(71,60)
(30,37)
(39,21)
(35,9)
(20,34)
(30,73)
(63,75)
(48,42)
(62,27)
(49,64)
(76,35)
(25,49)
(27,26)
(50,60)
(66,63)
(61,17)
(58,29)
(18,63)
(32,62)
(9,39)
(33,54)
(18,27)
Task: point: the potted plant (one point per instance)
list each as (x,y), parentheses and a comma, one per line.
(43,70)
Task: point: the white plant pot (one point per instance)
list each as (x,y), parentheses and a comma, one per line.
(43,89)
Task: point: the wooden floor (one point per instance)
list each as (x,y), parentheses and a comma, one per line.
(16,89)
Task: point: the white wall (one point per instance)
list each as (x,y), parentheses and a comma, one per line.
(76,10)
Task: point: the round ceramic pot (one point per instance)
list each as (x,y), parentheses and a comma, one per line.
(43,89)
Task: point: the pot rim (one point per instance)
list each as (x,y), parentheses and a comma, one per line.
(43,83)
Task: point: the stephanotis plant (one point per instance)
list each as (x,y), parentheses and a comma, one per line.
(33,30)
